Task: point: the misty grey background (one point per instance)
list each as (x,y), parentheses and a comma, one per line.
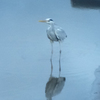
(25,49)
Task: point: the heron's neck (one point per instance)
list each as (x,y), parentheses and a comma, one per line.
(52,25)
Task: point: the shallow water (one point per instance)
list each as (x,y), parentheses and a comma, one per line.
(25,50)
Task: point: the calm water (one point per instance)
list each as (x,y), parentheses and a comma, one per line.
(25,50)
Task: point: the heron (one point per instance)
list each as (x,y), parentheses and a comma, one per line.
(55,34)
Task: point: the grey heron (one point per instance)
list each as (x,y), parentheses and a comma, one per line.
(54,33)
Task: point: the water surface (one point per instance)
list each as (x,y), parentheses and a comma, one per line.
(25,49)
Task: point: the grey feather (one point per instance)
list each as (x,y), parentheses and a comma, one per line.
(55,33)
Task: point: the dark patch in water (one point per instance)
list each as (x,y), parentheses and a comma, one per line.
(92,4)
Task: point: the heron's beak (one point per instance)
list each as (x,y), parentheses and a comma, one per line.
(42,20)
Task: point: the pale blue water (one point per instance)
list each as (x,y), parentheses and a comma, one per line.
(25,50)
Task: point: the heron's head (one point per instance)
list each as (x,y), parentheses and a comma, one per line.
(48,21)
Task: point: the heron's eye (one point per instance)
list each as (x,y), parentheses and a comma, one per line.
(50,20)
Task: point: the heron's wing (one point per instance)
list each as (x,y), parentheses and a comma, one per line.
(60,33)
(51,34)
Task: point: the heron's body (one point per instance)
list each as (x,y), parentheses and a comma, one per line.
(55,33)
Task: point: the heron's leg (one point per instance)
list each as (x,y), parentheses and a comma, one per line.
(51,67)
(59,58)
(51,49)
(51,56)
(60,47)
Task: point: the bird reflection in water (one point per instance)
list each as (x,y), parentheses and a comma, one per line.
(95,92)
(54,86)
